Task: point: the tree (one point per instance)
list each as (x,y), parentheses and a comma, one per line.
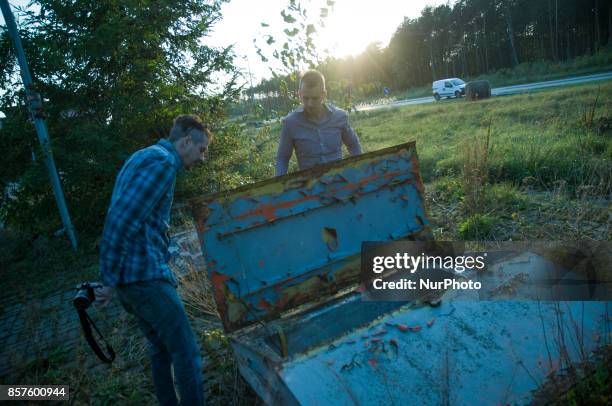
(298,51)
(466,39)
(506,9)
(113,75)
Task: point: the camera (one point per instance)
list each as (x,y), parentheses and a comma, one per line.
(85,294)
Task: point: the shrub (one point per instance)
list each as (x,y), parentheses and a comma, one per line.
(449,187)
(477,227)
(505,197)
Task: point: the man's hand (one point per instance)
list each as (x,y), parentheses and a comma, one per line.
(104,295)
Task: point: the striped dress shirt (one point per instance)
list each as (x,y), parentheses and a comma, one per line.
(315,143)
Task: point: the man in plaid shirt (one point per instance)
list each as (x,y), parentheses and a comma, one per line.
(134,256)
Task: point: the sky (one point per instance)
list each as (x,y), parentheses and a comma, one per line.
(350,26)
(14,3)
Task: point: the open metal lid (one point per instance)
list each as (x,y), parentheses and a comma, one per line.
(278,244)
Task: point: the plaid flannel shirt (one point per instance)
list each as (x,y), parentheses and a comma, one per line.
(134,244)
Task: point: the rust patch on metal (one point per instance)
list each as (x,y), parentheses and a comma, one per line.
(417,173)
(218,282)
(263,303)
(268,211)
(391,175)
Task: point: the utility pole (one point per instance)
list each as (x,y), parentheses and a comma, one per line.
(34,103)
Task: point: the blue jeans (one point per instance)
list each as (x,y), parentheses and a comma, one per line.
(162,318)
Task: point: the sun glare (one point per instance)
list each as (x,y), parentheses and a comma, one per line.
(341,40)
(352,25)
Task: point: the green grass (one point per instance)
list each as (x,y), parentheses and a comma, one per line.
(549,70)
(540,135)
(92,383)
(588,384)
(477,227)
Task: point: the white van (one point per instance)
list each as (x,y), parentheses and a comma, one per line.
(448,88)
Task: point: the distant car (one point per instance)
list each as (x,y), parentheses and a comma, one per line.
(453,87)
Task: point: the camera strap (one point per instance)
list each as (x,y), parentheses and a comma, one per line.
(87,323)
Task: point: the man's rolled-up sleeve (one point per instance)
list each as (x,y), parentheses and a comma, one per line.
(350,139)
(285,150)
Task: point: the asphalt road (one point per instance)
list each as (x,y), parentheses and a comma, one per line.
(500,91)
